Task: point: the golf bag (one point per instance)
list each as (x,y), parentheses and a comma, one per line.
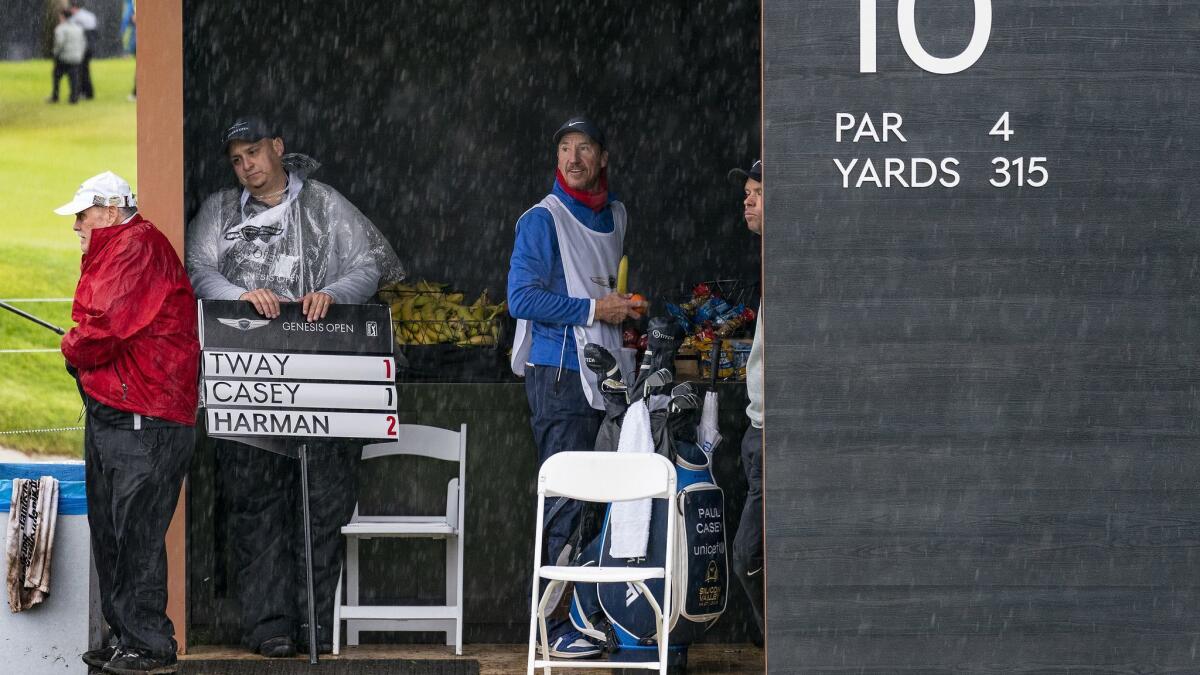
(615,615)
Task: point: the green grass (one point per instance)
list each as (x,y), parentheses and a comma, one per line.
(46,151)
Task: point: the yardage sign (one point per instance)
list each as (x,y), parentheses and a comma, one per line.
(982,257)
(287,377)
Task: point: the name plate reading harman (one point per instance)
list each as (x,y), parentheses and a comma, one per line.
(299,423)
(291,378)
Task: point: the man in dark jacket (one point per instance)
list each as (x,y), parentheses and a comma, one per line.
(135,354)
(284,237)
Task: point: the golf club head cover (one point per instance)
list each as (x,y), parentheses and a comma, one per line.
(601,361)
(664,335)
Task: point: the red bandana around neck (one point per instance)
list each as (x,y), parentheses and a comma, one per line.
(593,200)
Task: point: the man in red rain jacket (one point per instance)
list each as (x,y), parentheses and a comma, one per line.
(135,353)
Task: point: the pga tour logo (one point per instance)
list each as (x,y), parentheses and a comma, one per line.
(372,329)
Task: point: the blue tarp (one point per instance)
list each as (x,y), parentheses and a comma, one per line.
(72,497)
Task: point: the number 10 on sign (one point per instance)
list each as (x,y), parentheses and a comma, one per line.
(906,21)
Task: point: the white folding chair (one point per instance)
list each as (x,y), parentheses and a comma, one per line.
(602,477)
(437,443)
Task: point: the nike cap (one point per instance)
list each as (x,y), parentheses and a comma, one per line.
(105,189)
(584,126)
(738,176)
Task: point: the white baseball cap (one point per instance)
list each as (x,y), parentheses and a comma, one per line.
(106,189)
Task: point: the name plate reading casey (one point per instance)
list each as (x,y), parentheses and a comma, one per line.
(270,394)
(291,378)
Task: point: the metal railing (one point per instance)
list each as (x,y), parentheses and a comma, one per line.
(35,350)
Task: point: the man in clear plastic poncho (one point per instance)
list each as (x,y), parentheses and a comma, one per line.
(284,237)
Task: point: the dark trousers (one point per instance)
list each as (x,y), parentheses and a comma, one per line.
(133,482)
(562,420)
(748,542)
(71,71)
(85,68)
(266,520)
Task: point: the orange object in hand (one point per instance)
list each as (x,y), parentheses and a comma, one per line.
(638,297)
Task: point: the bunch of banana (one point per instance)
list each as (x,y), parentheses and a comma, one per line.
(425,314)
(402,291)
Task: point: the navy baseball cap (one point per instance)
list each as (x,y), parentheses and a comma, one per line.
(738,176)
(247,129)
(584,126)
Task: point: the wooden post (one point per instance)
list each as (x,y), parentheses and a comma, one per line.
(160,199)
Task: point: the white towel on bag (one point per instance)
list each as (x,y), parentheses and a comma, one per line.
(630,521)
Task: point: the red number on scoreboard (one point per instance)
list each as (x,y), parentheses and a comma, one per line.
(391,425)
(387,366)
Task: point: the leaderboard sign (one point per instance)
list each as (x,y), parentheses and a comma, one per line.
(289,377)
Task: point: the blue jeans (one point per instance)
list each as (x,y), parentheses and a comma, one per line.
(562,420)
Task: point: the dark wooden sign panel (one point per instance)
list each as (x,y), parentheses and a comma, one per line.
(982,269)
(349,329)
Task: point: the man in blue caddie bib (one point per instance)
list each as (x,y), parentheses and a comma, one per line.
(561,288)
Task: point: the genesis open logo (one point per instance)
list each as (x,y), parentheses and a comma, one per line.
(245,324)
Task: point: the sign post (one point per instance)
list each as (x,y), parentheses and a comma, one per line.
(272,382)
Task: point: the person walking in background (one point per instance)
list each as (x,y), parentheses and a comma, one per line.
(135,353)
(129,36)
(80,16)
(70,44)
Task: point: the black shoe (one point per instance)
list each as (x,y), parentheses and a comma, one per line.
(98,658)
(278,647)
(324,642)
(138,662)
(324,645)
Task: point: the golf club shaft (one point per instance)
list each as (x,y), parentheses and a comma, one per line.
(27,315)
(716,363)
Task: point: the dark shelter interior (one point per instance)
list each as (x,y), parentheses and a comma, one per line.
(435,120)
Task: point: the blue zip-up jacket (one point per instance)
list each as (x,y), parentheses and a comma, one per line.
(537,283)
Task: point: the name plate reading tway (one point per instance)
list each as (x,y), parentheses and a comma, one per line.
(276,366)
(292,378)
